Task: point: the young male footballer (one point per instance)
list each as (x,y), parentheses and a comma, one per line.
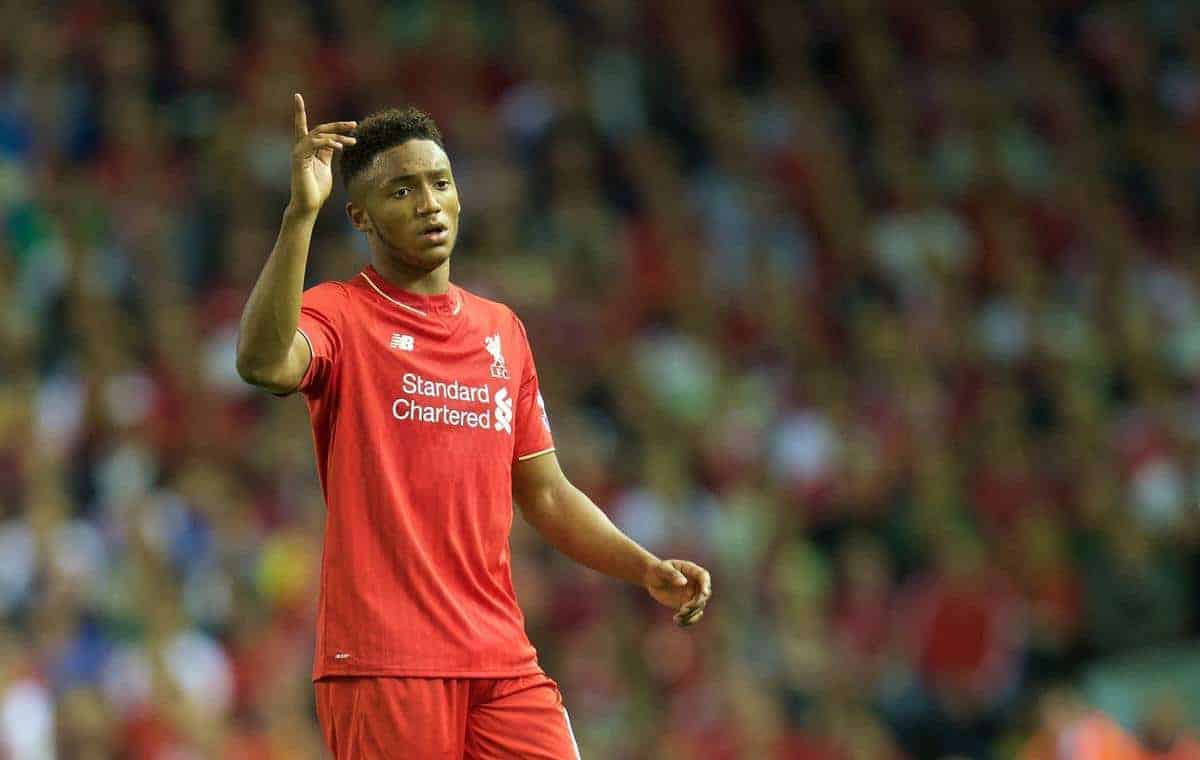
(428,424)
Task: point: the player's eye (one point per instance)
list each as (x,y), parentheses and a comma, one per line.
(443,184)
(400,192)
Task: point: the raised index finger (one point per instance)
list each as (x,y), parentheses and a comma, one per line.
(301,120)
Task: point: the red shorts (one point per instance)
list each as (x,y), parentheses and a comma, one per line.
(370,717)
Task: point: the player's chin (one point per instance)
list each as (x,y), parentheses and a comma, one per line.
(429,257)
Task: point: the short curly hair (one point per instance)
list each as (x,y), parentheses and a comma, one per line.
(382,130)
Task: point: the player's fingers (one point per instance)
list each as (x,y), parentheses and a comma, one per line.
(697,602)
(328,143)
(300,119)
(325,137)
(703,591)
(698,574)
(690,618)
(311,144)
(335,126)
(669,574)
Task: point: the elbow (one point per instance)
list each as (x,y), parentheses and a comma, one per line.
(245,364)
(248,370)
(278,377)
(251,368)
(256,374)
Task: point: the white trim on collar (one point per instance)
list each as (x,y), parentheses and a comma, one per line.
(393,300)
(457,306)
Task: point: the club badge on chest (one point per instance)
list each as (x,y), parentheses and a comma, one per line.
(492,344)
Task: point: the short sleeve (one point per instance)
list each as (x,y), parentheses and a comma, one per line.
(321,309)
(531,422)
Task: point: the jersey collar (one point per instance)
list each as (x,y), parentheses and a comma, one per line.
(449,303)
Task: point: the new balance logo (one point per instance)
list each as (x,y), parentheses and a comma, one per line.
(401,342)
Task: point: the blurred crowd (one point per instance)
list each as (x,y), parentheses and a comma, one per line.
(888,311)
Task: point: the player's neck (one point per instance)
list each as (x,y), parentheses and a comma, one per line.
(432,283)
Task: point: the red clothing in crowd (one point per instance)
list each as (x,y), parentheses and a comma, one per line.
(1098,737)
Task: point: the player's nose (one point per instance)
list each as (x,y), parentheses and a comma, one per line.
(427,202)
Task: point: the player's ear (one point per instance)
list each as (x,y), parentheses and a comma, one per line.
(358,217)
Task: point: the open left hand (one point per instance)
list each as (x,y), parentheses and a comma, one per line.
(681,585)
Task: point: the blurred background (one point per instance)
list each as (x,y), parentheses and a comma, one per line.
(887,311)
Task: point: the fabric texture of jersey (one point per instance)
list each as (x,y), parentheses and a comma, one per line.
(419,406)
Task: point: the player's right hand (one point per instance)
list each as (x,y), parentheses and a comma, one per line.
(312,157)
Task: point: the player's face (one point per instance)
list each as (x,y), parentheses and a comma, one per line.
(408,200)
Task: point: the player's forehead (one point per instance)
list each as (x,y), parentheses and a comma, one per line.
(409,158)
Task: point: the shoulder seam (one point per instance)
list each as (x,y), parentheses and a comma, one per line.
(515,317)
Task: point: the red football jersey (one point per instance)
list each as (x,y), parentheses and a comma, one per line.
(420,405)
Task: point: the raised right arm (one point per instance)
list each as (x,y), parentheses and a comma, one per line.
(270,352)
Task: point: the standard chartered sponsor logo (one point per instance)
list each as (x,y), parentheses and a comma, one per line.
(503,411)
(420,386)
(416,409)
(406,409)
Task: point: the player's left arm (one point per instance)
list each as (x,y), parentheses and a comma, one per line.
(569,520)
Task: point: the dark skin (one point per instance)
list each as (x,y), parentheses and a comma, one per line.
(407,205)
(406,190)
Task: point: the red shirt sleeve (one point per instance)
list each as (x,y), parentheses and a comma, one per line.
(321,311)
(531,423)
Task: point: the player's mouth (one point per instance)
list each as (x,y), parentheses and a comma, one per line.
(436,233)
